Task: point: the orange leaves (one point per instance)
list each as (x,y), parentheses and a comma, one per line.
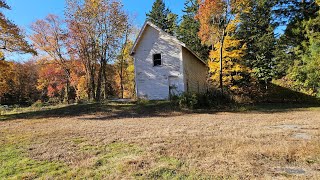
(209,11)
(215,15)
(218,22)
(12,38)
(53,79)
(6,73)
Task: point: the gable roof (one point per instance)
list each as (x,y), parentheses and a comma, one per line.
(148,23)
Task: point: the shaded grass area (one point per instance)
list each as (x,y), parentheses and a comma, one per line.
(110,111)
(113,110)
(275,99)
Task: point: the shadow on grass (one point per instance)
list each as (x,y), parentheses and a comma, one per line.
(103,111)
(152,109)
(277,99)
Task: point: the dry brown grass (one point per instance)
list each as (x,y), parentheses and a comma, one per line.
(250,145)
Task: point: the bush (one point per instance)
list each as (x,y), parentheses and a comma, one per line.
(188,100)
(143,101)
(54,101)
(38,104)
(207,100)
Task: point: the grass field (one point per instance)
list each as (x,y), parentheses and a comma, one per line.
(157,141)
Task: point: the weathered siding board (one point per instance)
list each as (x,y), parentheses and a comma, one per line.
(195,73)
(181,69)
(153,82)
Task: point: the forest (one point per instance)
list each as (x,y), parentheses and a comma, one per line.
(249,46)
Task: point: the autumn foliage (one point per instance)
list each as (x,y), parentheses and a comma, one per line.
(218,23)
(85,55)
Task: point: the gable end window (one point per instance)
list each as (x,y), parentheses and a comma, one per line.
(157,60)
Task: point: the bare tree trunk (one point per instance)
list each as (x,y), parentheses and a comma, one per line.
(121,78)
(104,74)
(221,65)
(67,96)
(100,78)
(92,84)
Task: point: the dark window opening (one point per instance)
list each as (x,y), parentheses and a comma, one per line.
(157,60)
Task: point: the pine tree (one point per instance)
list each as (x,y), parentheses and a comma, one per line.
(305,71)
(297,49)
(189,28)
(172,21)
(162,17)
(257,32)
(290,45)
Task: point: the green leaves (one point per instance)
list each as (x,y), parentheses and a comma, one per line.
(257,32)
(189,28)
(302,48)
(162,17)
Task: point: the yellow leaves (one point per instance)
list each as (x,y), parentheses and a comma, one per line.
(1,55)
(82,87)
(234,88)
(6,74)
(233,68)
(232,26)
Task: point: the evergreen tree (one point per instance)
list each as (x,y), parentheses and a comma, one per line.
(162,17)
(189,28)
(305,71)
(292,44)
(172,22)
(257,32)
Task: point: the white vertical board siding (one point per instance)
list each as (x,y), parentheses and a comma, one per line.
(195,73)
(153,82)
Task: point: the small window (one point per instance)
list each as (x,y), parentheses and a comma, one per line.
(157,60)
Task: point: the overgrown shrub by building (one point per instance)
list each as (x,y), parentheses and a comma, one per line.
(203,101)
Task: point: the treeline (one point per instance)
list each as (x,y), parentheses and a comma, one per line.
(82,57)
(248,44)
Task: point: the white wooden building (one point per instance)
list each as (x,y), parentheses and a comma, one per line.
(164,66)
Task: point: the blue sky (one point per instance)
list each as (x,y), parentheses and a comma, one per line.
(24,12)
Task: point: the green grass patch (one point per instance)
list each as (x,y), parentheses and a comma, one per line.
(16,165)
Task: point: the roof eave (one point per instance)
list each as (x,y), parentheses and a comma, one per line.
(160,30)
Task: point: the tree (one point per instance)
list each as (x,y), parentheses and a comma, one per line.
(50,37)
(12,38)
(257,32)
(6,73)
(189,28)
(96,30)
(18,83)
(234,69)
(290,45)
(214,18)
(297,47)
(162,17)
(125,69)
(306,70)
(172,20)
